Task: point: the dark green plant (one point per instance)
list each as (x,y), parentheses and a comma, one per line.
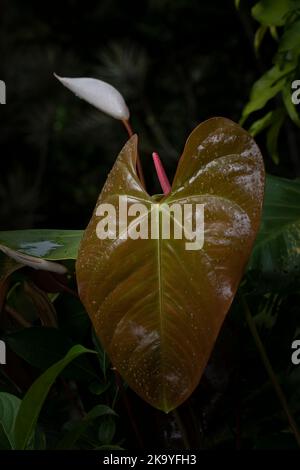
(270,100)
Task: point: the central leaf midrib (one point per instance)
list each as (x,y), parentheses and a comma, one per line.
(160,303)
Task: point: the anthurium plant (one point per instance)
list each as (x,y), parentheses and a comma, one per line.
(156,298)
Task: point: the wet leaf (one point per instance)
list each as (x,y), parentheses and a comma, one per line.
(156,306)
(46,244)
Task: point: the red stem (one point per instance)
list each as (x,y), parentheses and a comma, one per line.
(138,160)
(161,174)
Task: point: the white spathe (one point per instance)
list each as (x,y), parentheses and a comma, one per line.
(100,94)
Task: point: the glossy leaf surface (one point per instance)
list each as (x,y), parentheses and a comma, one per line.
(156,306)
(47,244)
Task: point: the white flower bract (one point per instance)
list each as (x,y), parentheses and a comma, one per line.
(100,94)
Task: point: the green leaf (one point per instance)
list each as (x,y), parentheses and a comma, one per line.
(102,356)
(259,36)
(290,40)
(289,105)
(273,136)
(274,12)
(273,32)
(9,407)
(277,247)
(42,347)
(71,437)
(261,124)
(98,388)
(237,4)
(156,306)
(265,88)
(46,244)
(33,401)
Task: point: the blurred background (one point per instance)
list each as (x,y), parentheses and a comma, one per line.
(176,62)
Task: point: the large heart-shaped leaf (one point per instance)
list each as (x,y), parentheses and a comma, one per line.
(156,306)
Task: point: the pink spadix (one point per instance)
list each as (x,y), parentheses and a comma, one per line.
(161,174)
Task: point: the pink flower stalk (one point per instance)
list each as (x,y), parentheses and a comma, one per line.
(161,174)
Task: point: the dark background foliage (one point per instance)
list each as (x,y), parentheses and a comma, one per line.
(177,62)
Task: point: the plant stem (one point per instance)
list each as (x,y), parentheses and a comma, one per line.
(270,371)
(138,160)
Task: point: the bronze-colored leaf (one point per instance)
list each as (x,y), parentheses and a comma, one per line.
(156,306)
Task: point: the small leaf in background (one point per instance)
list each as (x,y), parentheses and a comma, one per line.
(273,32)
(79,428)
(98,388)
(273,12)
(261,124)
(259,36)
(102,356)
(273,136)
(33,401)
(276,249)
(290,40)
(9,407)
(42,347)
(265,88)
(46,244)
